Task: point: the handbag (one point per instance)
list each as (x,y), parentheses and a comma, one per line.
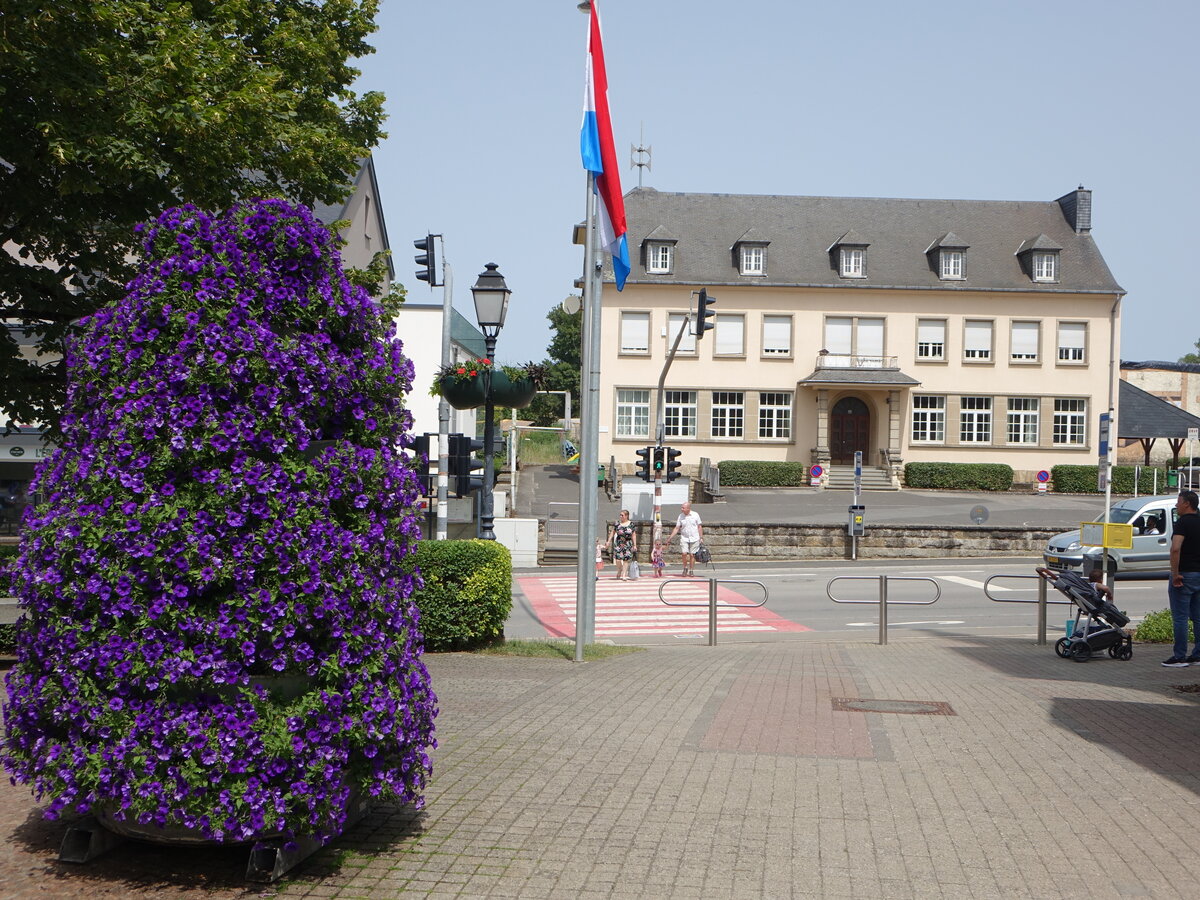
(634,570)
(702,555)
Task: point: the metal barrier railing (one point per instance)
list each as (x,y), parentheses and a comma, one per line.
(1041,600)
(883,600)
(712,600)
(562,522)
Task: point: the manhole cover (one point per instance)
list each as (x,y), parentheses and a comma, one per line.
(912,707)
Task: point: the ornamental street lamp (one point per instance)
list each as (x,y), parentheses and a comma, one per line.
(491,306)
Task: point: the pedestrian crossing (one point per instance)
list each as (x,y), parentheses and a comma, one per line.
(633,608)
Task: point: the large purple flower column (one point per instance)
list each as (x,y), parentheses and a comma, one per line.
(218,631)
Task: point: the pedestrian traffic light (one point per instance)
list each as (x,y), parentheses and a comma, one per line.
(703,313)
(463,463)
(673,463)
(660,461)
(427,259)
(420,449)
(643,463)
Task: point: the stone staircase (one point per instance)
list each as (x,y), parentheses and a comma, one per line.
(841,478)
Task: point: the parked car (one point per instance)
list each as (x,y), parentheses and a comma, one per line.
(1153,521)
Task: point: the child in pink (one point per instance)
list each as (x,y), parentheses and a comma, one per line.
(656,559)
(599,557)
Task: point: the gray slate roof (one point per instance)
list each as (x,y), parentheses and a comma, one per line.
(860,376)
(801,231)
(1142,415)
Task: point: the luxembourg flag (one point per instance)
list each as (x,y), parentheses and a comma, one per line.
(600,155)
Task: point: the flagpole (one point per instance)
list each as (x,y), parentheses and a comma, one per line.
(589,435)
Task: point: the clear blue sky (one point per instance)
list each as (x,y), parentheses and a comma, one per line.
(992,100)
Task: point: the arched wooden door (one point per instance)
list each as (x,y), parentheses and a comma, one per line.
(849,430)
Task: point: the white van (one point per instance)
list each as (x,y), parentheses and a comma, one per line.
(1153,520)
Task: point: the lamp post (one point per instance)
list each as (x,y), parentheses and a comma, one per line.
(491,305)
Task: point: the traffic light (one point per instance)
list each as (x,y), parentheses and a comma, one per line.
(420,449)
(673,463)
(660,461)
(463,463)
(643,463)
(703,313)
(427,259)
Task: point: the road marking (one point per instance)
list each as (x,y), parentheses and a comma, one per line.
(958,579)
(890,623)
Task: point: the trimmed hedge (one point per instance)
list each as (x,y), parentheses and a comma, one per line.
(959,476)
(467,593)
(753,473)
(1082,480)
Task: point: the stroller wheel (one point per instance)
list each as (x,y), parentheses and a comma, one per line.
(1115,652)
(1127,653)
(1080,651)
(1063,647)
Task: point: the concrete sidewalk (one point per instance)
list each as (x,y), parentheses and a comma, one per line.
(734,772)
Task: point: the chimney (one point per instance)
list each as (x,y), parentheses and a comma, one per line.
(1077,209)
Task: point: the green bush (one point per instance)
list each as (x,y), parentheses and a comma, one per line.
(753,473)
(1157,628)
(1082,480)
(8,639)
(959,476)
(9,551)
(467,594)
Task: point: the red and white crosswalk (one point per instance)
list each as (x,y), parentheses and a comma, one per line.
(633,607)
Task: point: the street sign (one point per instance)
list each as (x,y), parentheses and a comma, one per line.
(1194,434)
(1106,534)
(816,471)
(1043,476)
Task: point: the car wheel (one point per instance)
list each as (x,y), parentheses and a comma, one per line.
(1063,647)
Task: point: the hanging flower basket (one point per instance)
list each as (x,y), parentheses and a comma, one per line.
(515,392)
(463,394)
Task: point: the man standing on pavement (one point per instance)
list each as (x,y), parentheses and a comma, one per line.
(1184,589)
(691,533)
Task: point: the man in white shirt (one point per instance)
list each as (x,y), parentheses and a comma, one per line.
(691,533)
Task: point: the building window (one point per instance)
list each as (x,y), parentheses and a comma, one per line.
(633,413)
(975,420)
(977,340)
(853,262)
(952,264)
(777,336)
(1070,420)
(1023,420)
(931,339)
(1023,342)
(1045,266)
(928,419)
(854,342)
(687,344)
(730,336)
(1072,342)
(753,260)
(728,414)
(635,332)
(659,259)
(680,413)
(775,414)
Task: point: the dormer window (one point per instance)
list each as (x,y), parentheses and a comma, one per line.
(849,255)
(1045,267)
(750,253)
(952,264)
(1039,259)
(659,258)
(948,257)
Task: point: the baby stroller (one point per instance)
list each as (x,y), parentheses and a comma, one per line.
(1105,625)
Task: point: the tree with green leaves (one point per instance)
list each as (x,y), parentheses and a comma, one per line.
(115,109)
(563,365)
(1191,357)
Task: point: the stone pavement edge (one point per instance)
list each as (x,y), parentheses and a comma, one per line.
(744,771)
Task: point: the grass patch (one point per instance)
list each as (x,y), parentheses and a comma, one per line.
(555,649)
(540,448)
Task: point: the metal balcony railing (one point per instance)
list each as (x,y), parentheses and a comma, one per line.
(853,361)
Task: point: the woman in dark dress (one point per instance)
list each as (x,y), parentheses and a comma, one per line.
(623,543)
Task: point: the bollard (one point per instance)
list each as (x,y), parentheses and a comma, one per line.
(883,601)
(712,612)
(1041,638)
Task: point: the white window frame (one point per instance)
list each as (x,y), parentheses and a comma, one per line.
(974,420)
(852,262)
(659,258)
(928,419)
(679,414)
(753,260)
(635,332)
(728,416)
(952,265)
(1023,327)
(1072,343)
(978,354)
(1070,422)
(1044,266)
(729,335)
(633,413)
(1023,421)
(777,340)
(931,348)
(775,415)
(688,343)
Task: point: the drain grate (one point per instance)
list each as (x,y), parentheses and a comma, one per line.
(910,707)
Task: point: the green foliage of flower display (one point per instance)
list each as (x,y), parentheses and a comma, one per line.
(467,592)
(218,629)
